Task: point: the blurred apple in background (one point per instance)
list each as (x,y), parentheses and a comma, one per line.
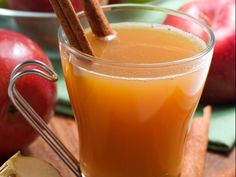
(41,5)
(15,132)
(220,16)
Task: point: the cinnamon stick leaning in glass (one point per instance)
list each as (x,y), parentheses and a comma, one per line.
(72,27)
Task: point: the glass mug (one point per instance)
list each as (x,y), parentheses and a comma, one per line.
(130,124)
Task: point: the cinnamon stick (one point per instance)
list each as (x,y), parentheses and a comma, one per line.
(71,25)
(97,20)
(196,146)
(230,172)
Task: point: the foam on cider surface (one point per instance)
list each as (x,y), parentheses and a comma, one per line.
(146,43)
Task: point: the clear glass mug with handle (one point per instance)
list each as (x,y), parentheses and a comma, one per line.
(109,144)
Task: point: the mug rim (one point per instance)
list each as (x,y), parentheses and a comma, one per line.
(209,46)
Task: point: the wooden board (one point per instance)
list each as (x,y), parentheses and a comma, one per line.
(66,130)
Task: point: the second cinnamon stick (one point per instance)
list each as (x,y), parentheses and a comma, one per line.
(97,19)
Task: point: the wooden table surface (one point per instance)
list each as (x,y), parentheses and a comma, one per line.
(66,130)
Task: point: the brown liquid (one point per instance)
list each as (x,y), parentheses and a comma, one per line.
(135,127)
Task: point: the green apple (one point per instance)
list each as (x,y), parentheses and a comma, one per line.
(2,3)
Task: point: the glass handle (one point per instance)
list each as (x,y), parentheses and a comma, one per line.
(33,118)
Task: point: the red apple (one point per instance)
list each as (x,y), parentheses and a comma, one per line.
(41,5)
(15,132)
(220,16)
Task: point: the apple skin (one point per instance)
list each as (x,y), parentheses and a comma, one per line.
(40,5)
(15,132)
(220,16)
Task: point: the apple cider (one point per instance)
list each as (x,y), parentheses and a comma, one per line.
(133,118)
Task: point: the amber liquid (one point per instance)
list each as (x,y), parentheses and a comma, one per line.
(133,126)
